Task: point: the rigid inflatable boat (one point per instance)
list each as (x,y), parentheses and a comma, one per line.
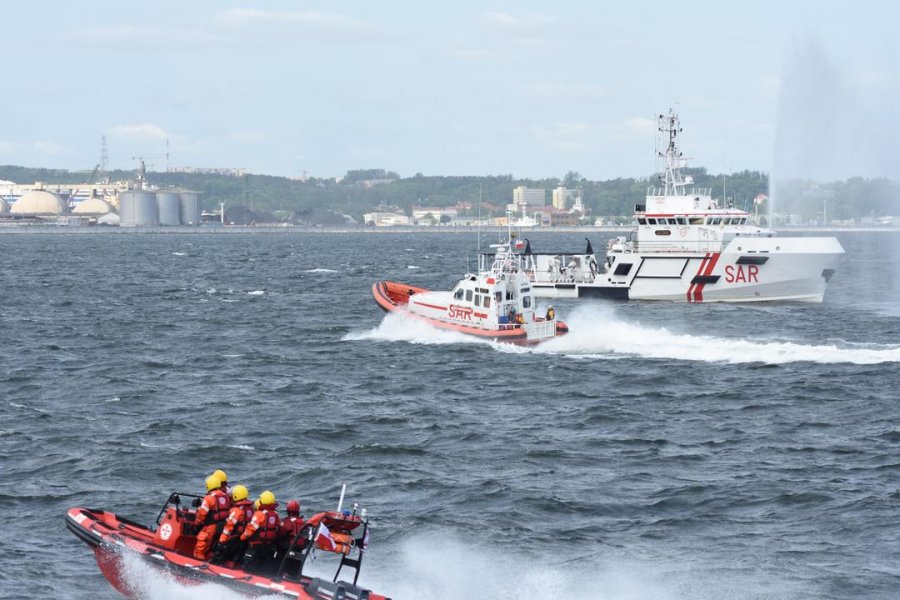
(168,545)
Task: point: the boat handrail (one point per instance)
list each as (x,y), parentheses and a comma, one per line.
(175,498)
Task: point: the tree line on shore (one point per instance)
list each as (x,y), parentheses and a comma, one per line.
(362,191)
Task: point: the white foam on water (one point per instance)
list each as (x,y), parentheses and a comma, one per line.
(412,267)
(441,567)
(256,293)
(180,253)
(241,447)
(320,271)
(598,332)
(399,326)
(148,583)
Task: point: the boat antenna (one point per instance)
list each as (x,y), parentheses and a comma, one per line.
(479,219)
(341,501)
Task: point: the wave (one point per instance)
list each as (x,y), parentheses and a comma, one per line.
(320,271)
(599,333)
(400,327)
(442,567)
(439,566)
(256,293)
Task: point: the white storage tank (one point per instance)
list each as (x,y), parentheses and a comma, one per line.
(137,208)
(190,208)
(168,206)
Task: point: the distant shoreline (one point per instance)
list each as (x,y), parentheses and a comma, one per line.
(238,230)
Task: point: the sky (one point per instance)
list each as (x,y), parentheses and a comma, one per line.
(534,89)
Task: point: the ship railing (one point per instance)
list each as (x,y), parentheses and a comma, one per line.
(678,247)
(539,330)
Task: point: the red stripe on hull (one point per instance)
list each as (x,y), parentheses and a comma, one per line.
(698,292)
(690,292)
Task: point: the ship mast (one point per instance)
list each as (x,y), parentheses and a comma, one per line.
(673,180)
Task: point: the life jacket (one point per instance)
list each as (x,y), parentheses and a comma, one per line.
(240,515)
(217,505)
(269,524)
(291,526)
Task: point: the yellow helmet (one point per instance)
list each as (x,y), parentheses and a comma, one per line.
(221,475)
(239,493)
(213,483)
(266,498)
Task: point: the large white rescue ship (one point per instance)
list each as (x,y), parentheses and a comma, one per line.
(687,248)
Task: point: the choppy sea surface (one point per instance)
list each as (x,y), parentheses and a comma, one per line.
(664,451)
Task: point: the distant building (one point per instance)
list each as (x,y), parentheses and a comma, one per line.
(211,171)
(561,197)
(421,214)
(550,216)
(386,219)
(529,196)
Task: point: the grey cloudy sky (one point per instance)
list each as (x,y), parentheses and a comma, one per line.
(529,88)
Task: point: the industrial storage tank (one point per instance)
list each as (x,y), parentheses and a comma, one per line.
(168,205)
(39,202)
(137,208)
(190,208)
(92,207)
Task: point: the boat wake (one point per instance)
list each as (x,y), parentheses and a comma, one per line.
(596,332)
(399,326)
(148,583)
(441,567)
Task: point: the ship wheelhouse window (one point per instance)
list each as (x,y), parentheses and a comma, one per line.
(682,221)
(696,221)
(651,221)
(498,296)
(744,221)
(717,221)
(673,221)
(487,301)
(468,295)
(642,221)
(477,299)
(526,301)
(459,294)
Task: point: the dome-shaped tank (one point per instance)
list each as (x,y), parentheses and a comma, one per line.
(168,205)
(92,206)
(4,206)
(137,208)
(190,208)
(39,202)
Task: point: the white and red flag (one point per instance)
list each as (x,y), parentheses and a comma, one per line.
(324,537)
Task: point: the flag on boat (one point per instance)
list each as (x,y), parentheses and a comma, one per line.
(518,245)
(324,536)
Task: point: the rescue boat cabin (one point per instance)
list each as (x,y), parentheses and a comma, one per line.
(496,298)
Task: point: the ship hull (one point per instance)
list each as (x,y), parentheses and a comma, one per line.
(747,270)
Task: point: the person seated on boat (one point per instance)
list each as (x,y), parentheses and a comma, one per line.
(210,517)
(290,525)
(551,313)
(229,545)
(221,475)
(261,534)
(520,318)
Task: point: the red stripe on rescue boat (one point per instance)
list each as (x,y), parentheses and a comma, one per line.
(698,292)
(431,305)
(481,315)
(690,292)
